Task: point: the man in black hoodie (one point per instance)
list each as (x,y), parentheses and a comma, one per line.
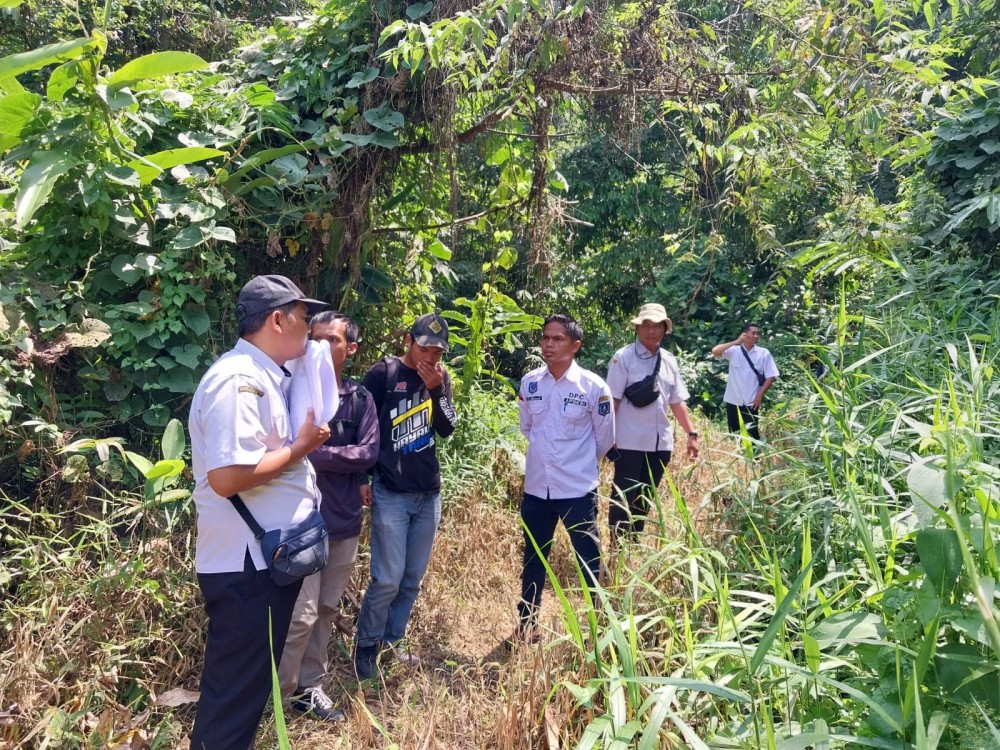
(413,397)
(341,464)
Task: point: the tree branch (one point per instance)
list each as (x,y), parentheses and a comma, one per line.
(444,225)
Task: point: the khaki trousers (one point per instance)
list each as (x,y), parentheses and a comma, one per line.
(305,661)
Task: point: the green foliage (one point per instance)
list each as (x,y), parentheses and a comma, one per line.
(964,160)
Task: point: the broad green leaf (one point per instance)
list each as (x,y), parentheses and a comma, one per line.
(140,462)
(16,111)
(155,65)
(848,629)
(22,62)
(173,442)
(149,167)
(136,308)
(10,3)
(10,85)
(439,250)
(386,140)
(188,237)
(362,77)
(375,278)
(384,118)
(506,258)
(122,176)
(37,181)
(357,139)
(222,234)
(177,380)
(418,10)
(123,267)
(196,318)
(166,467)
(171,496)
(966,673)
(263,157)
(926,485)
(188,356)
(116,98)
(940,557)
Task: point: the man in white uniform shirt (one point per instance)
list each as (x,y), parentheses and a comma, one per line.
(751,372)
(644,435)
(241,443)
(566,414)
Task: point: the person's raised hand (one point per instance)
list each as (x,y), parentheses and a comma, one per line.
(312,435)
(432,375)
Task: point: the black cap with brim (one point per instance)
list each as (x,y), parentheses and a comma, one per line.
(265,293)
(430,330)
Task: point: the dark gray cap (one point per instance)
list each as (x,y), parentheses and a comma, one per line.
(265,293)
(430,330)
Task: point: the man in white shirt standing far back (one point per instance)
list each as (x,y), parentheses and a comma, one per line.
(751,372)
(566,414)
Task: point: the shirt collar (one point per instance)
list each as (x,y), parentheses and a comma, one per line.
(257,355)
(572,373)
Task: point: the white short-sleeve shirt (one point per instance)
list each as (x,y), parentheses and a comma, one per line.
(741,390)
(646,428)
(570,425)
(238,414)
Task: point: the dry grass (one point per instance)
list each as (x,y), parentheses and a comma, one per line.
(118,633)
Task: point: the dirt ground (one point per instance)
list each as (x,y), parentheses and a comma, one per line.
(468,691)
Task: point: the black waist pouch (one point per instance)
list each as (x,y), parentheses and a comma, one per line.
(644,392)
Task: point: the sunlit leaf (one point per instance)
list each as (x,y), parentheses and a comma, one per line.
(37,181)
(151,166)
(155,65)
(14,65)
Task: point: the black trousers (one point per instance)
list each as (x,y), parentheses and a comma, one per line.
(540,516)
(733,413)
(236,680)
(637,475)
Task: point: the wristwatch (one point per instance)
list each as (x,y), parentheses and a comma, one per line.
(692,434)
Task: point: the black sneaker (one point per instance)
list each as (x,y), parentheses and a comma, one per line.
(312,701)
(364,661)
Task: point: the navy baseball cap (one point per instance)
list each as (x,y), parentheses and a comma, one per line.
(265,293)
(430,330)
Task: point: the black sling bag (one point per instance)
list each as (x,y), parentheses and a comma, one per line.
(758,373)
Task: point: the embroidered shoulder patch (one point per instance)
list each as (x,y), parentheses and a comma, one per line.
(533,387)
(251,389)
(604,408)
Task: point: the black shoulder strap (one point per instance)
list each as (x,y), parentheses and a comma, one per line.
(750,362)
(354,416)
(391,380)
(244,511)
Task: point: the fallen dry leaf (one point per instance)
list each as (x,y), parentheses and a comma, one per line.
(177,697)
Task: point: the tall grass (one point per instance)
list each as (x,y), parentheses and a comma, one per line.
(856,602)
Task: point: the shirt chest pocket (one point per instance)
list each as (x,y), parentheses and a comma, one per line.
(275,419)
(574,420)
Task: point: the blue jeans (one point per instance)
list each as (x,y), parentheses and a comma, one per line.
(403,529)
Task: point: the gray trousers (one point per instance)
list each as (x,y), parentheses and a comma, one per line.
(305,661)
